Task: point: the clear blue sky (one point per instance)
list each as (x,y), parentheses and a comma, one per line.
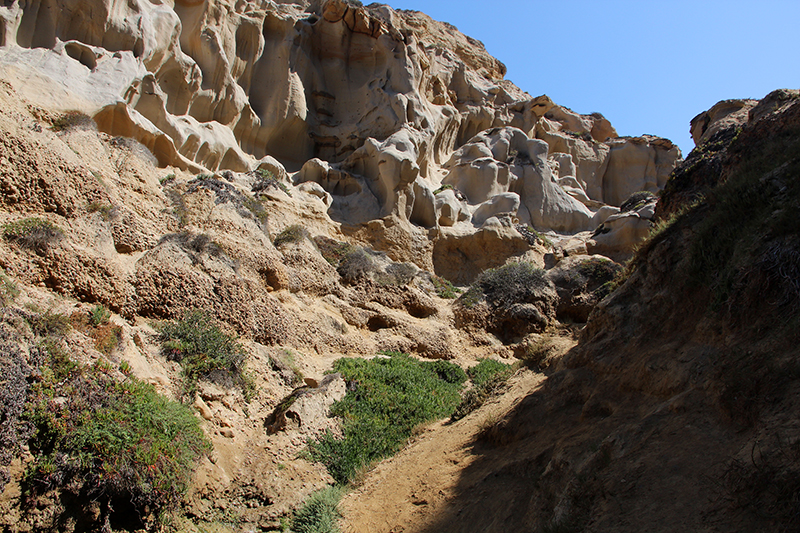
(648,66)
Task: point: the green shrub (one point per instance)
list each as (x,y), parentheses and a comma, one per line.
(488,376)
(319,513)
(477,396)
(294,233)
(485,370)
(444,289)
(387,400)
(598,269)
(109,441)
(542,239)
(99,315)
(356,264)
(256,208)
(36,234)
(269,181)
(636,200)
(202,348)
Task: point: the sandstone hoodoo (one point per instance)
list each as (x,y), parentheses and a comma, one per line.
(250,249)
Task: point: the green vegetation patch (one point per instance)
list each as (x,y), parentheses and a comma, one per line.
(488,377)
(319,513)
(485,370)
(268,180)
(332,251)
(203,348)
(387,399)
(108,440)
(445,289)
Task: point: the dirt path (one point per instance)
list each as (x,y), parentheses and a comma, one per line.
(406,492)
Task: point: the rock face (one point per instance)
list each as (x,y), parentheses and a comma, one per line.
(378,108)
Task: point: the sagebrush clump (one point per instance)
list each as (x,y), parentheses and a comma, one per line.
(507,285)
(356,265)
(73,120)
(292,234)
(332,251)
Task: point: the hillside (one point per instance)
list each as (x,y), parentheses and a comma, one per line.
(207,206)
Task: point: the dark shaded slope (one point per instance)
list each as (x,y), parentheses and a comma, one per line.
(678,409)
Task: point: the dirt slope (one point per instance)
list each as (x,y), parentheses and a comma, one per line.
(409,491)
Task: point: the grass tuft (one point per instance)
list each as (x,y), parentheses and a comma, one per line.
(319,513)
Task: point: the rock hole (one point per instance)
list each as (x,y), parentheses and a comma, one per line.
(81,53)
(378,322)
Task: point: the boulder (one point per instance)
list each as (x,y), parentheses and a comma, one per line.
(638,164)
(307,408)
(619,234)
(501,203)
(451,207)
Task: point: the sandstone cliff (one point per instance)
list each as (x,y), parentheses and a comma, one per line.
(367,102)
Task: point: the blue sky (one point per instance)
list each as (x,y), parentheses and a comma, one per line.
(648,66)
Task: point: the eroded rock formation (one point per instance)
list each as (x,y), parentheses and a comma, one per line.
(377,107)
